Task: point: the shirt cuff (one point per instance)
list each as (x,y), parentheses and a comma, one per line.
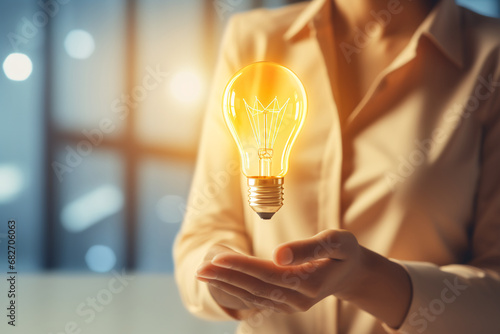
(430,290)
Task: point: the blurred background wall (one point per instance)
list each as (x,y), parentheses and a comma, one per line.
(101,104)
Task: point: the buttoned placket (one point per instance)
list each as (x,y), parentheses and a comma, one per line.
(330,213)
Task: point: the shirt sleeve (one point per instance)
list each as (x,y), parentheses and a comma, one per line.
(464,299)
(214,213)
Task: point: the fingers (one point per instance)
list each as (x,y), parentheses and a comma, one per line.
(253,291)
(264,270)
(333,244)
(248,282)
(249,299)
(267,271)
(302,285)
(249,290)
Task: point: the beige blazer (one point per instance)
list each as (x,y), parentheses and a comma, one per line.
(413,171)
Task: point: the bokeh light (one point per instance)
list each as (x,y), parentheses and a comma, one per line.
(11,182)
(186,86)
(92,208)
(100,258)
(79,44)
(17,66)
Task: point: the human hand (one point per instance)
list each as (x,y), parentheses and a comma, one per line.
(233,305)
(301,274)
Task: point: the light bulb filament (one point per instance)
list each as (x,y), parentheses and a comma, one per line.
(265,139)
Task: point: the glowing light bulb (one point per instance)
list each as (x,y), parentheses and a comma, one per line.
(264,107)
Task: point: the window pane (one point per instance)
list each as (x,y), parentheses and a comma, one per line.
(275,3)
(89,51)
(21,135)
(164,186)
(90,211)
(171,40)
(485,7)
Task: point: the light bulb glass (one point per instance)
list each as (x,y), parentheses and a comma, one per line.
(264,106)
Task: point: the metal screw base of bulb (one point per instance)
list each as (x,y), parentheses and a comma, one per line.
(265,195)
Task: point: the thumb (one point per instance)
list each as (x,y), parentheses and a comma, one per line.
(334,244)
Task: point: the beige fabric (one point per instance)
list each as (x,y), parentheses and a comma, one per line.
(413,172)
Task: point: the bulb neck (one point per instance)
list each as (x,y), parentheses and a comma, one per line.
(265,195)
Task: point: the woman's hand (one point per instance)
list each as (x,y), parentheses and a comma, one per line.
(304,272)
(231,303)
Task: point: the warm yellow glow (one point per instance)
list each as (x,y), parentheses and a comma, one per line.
(265,106)
(186,86)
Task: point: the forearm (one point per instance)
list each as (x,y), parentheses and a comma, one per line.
(382,289)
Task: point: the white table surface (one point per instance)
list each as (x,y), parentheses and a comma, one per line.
(149,304)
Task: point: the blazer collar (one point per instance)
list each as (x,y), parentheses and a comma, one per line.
(314,11)
(443,26)
(446,31)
